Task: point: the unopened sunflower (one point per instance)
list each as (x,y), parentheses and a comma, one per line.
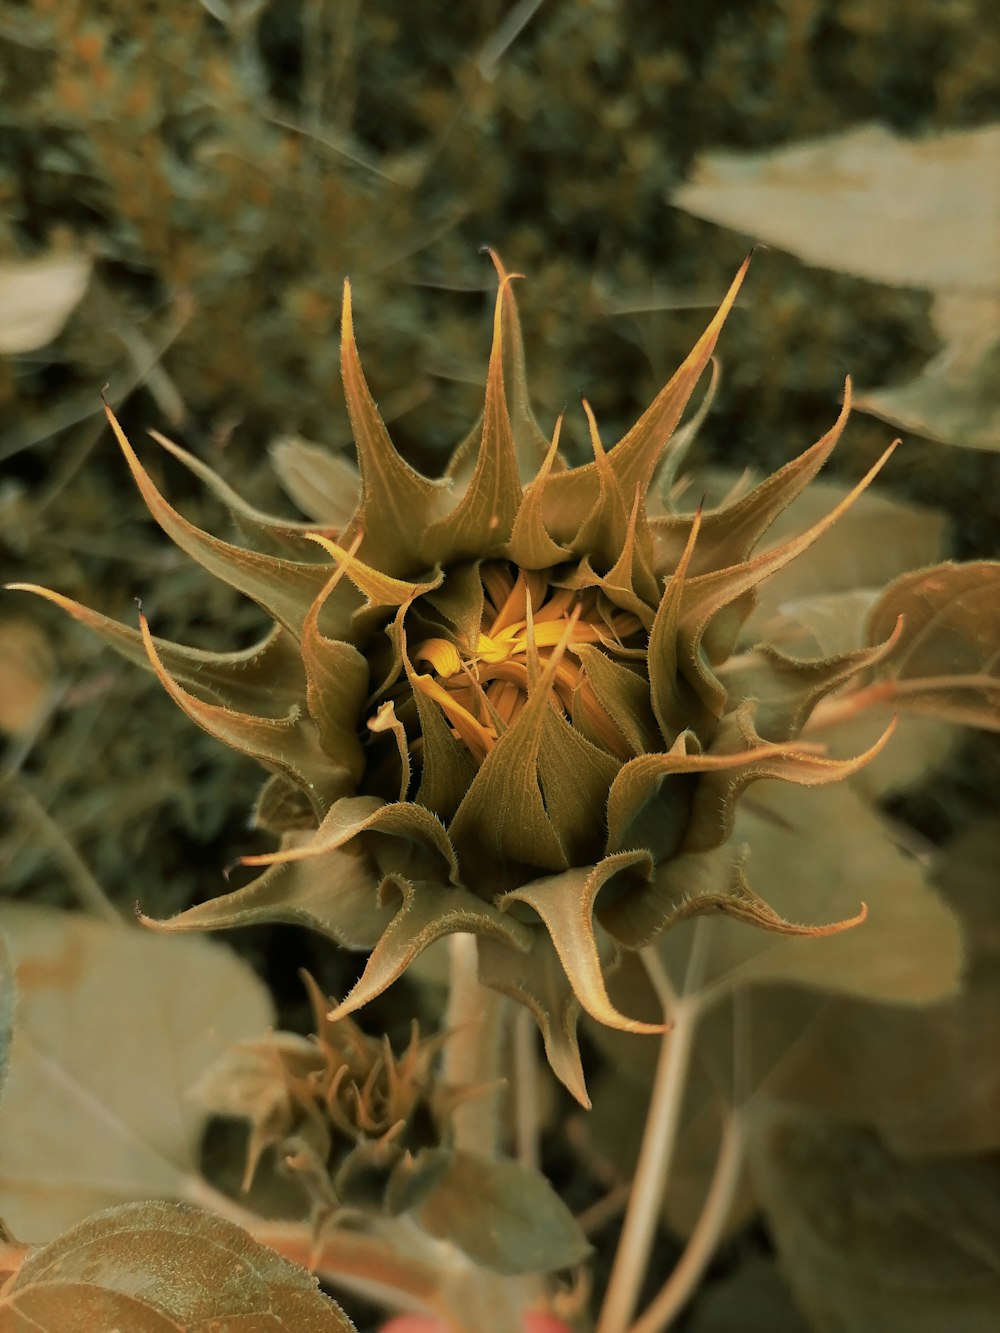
(504,701)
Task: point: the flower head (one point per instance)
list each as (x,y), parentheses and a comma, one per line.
(505,701)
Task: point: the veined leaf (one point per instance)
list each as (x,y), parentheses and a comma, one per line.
(164,1268)
(504,1216)
(947,661)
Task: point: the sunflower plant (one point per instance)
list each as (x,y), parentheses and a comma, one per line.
(513,708)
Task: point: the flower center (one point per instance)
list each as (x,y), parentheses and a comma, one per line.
(482,687)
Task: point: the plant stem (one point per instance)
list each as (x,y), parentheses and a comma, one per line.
(659,1136)
(526,1089)
(472,1053)
(679,1287)
(655,1155)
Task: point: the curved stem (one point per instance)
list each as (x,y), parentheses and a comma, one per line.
(682,1282)
(659,1136)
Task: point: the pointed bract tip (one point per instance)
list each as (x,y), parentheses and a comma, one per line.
(346,312)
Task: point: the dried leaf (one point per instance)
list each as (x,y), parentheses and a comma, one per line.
(503,1215)
(113,1025)
(870,1242)
(37,297)
(164,1268)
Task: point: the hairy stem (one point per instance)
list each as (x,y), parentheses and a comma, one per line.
(659,1136)
(683,1281)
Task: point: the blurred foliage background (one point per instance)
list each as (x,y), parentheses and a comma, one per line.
(215,169)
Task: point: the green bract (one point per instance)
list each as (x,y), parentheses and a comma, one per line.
(503,701)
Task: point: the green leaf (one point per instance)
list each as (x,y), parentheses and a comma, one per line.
(721,778)
(337,680)
(907,951)
(785,690)
(502,817)
(729,533)
(575,776)
(715,604)
(113,1025)
(536,979)
(953,399)
(164,1268)
(876,540)
(426,912)
(530,443)
(504,1216)
(869,1241)
(530,544)
(926,1077)
(570,498)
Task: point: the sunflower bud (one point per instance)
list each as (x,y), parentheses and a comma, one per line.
(505,701)
(357,1124)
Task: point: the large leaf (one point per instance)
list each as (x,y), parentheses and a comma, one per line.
(503,1215)
(869,1242)
(869,203)
(866,202)
(113,1025)
(164,1268)
(927,1078)
(816,857)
